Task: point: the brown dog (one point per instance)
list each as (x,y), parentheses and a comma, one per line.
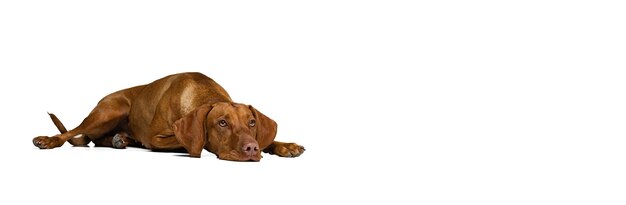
(186,111)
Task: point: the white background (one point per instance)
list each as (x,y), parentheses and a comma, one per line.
(397,102)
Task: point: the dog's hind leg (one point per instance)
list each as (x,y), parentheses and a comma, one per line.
(110,112)
(78,140)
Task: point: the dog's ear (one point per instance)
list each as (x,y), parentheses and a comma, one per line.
(266,128)
(190,130)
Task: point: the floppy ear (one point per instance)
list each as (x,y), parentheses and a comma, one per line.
(190,130)
(266,129)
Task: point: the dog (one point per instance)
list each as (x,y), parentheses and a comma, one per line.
(180,112)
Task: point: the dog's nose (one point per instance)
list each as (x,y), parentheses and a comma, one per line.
(251,148)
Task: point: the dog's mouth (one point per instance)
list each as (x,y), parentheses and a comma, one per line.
(239,157)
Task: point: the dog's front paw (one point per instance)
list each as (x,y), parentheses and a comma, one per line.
(285,149)
(44,142)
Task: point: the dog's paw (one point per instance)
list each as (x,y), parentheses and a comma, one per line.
(287,149)
(119,141)
(44,142)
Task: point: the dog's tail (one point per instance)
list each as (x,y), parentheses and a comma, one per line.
(57,123)
(79,140)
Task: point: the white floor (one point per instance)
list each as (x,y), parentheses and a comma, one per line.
(397,102)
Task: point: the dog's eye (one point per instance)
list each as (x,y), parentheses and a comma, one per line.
(252,123)
(222,123)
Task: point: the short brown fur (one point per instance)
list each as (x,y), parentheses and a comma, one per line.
(185,111)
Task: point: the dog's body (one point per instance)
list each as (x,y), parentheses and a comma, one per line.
(182,111)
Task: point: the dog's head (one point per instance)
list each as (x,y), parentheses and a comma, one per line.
(232,131)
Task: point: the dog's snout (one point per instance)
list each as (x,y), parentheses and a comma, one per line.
(251,148)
